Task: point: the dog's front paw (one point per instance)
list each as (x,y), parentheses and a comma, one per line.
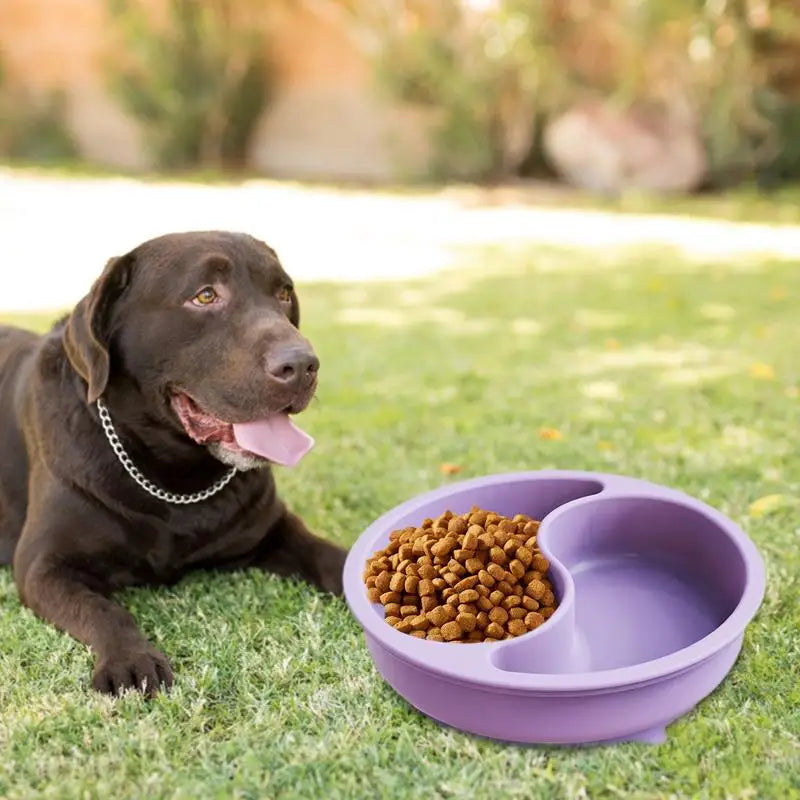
(144,669)
(330,566)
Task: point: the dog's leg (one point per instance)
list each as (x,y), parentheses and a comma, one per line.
(125,659)
(291,549)
(11,522)
(64,574)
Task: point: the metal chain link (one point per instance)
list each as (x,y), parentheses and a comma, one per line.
(145,483)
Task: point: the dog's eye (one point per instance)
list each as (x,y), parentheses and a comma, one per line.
(205,297)
(285,294)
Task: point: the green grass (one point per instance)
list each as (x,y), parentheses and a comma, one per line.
(684,373)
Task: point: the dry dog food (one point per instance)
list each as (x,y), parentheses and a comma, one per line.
(477,577)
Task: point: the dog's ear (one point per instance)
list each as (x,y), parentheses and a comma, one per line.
(294,311)
(88,330)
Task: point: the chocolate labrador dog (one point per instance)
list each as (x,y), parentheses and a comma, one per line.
(137,437)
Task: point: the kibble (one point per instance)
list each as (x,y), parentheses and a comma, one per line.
(457,525)
(536,590)
(516,568)
(444,546)
(531,528)
(528,603)
(471,538)
(533,620)
(420,623)
(524,556)
(505,588)
(499,615)
(429,603)
(485,541)
(451,630)
(467,622)
(474,565)
(540,563)
(439,616)
(466,583)
(456,568)
(485,604)
(383,580)
(496,597)
(468,596)
(486,578)
(427,572)
(496,572)
(463,578)
(495,630)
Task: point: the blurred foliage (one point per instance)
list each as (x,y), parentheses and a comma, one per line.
(197,80)
(196,74)
(487,75)
(33,128)
(495,70)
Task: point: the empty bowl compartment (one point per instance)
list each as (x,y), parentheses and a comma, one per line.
(649,576)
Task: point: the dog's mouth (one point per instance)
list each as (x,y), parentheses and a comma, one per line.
(274,439)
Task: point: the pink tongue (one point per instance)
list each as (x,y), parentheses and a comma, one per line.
(275,438)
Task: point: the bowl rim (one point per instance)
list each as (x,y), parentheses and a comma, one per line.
(417,652)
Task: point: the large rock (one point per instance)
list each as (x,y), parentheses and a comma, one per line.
(598,147)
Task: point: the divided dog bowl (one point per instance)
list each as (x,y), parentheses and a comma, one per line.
(655,590)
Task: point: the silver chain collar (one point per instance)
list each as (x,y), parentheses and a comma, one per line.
(148,485)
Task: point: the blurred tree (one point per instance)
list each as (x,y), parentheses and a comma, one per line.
(485,67)
(197,80)
(494,70)
(775,27)
(34,128)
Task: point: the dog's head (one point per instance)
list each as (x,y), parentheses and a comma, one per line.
(205,325)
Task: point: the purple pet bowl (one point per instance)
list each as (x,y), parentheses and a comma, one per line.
(655,590)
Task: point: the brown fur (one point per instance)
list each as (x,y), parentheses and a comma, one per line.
(74,524)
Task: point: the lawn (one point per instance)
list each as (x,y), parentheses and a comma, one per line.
(645,364)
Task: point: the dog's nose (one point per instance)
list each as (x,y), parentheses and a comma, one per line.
(293,365)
